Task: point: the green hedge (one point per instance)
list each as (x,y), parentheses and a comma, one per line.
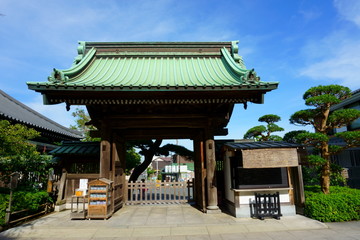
(342,204)
(23,200)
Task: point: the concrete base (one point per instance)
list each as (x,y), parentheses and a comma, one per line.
(244,211)
(59,208)
(213,211)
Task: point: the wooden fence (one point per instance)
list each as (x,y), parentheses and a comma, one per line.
(25,214)
(159,192)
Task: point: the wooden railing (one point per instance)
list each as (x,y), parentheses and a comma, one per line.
(159,192)
(25,214)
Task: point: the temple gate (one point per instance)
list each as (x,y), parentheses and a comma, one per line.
(157,90)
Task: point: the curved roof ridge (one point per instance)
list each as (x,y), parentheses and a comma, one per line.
(63,75)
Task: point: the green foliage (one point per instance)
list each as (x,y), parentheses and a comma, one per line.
(275,138)
(324,122)
(324,96)
(312,174)
(336,178)
(151,148)
(177,149)
(264,133)
(4,201)
(269,118)
(150,171)
(133,159)
(292,136)
(342,204)
(313,139)
(18,155)
(255,132)
(82,120)
(23,200)
(316,160)
(342,117)
(304,117)
(14,140)
(352,139)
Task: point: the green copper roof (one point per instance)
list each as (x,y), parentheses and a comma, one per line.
(153,70)
(154,73)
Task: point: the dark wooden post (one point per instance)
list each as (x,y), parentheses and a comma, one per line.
(119,165)
(105,151)
(199,185)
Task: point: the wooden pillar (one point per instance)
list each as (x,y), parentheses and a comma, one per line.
(199,185)
(119,159)
(105,151)
(212,201)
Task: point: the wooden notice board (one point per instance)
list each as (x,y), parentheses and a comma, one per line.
(270,158)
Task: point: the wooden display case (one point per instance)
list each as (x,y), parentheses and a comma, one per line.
(100,198)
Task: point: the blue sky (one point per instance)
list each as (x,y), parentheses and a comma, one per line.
(300,43)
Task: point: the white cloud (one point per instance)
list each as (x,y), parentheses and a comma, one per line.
(349,10)
(342,65)
(335,58)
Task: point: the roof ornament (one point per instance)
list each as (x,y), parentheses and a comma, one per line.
(57,76)
(245,105)
(81,51)
(234,53)
(67,106)
(251,76)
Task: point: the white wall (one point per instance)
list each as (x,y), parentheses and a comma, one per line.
(229,193)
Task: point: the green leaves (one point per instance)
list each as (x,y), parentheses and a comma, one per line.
(324,121)
(343,117)
(343,204)
(327,95)
(82,120)
(263,133)
(352,139)
(269,118)
(313,139)
(14,139)
(255,131)
(316,160)
(177,149)
(292,136)
(18,155)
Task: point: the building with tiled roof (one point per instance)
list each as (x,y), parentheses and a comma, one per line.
(17,112)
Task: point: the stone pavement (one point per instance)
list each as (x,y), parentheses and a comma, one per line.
(178,222)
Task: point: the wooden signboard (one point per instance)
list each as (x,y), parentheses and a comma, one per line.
(270,158)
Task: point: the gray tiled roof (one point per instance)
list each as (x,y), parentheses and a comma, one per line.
(259,145)
(13,110)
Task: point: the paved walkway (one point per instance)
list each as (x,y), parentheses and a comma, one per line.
(179,222)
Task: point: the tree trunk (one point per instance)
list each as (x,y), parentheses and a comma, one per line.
(148,156)
(325,170)
(325,178)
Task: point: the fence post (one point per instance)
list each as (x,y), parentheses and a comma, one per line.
(14,177)
(8,209)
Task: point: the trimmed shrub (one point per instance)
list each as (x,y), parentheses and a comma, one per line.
(23,200)
(342,204)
